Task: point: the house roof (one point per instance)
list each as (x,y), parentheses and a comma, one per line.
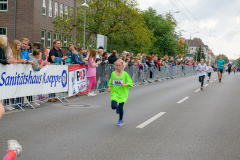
(195,42)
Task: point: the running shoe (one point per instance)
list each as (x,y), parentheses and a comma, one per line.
(120,123)
(219,80)
(93,94)
(15,146)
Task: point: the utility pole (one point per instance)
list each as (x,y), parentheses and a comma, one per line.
(74,32)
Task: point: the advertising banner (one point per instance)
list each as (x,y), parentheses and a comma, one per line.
(77,80)
(20,80)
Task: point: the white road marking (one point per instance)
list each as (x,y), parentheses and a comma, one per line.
(184,99)
(211,82)
(197,90)
(215,79)
(144,124)
(206,85)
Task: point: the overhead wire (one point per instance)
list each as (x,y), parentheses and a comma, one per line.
(192,14)
(189,18)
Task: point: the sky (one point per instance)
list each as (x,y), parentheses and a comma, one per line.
(217,21)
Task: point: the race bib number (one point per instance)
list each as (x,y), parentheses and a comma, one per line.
(117,82)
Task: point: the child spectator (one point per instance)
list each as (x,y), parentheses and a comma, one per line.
(91,73)
(13,52)
(36,56)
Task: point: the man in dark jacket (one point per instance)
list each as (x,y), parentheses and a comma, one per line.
(56,52)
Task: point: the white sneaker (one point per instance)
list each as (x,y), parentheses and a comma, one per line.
(91,94)
(35,104)
(15,146)
(8,108)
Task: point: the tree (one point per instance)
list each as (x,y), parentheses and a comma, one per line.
(119,20)
(199,53)
(224,57)
(182,48)
(165,39)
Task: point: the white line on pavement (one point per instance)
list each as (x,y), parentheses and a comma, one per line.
(184,99)
(215,79)
(206,85)
(197,90)
(150,120)
(211,82)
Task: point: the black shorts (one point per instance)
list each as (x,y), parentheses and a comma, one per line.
(220,70)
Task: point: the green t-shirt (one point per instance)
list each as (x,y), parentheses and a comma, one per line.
(118,92)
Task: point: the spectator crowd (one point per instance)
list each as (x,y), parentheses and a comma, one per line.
(22,52)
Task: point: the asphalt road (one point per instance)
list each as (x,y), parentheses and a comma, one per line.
(191,125)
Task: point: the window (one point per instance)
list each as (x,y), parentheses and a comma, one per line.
(66,11)
(56,9)
(3,31)
(50,8)
(61,10)
(65,41)
(49,39)
(43,38)
(44,7)
(55,37)
(71,12)
(3,5)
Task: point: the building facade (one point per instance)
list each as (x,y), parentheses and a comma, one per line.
(33,19)
(195,43)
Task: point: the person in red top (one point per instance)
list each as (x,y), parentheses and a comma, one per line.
(234,69)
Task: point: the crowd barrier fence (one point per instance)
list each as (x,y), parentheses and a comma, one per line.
(140,76)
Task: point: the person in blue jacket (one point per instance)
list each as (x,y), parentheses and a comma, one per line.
(76,59)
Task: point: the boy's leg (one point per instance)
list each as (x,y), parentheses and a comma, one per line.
(121,111)
(202,81)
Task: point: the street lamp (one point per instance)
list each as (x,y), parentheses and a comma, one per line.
(189,44)
(86,6)
(176,12)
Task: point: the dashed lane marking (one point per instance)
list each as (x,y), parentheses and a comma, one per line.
(206,85)
(184,99)
(197,90)
(144,124)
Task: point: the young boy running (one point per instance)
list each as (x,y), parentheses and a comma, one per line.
(201,68)
(220,66)
(14,148)
(119,85)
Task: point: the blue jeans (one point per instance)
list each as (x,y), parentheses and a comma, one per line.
(120,107)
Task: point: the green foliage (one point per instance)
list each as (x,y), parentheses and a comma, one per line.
(165,39)
(224,57)
(200,54)
(182,48)
(119,21)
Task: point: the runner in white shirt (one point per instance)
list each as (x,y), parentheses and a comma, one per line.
(202,69)
(209,71)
